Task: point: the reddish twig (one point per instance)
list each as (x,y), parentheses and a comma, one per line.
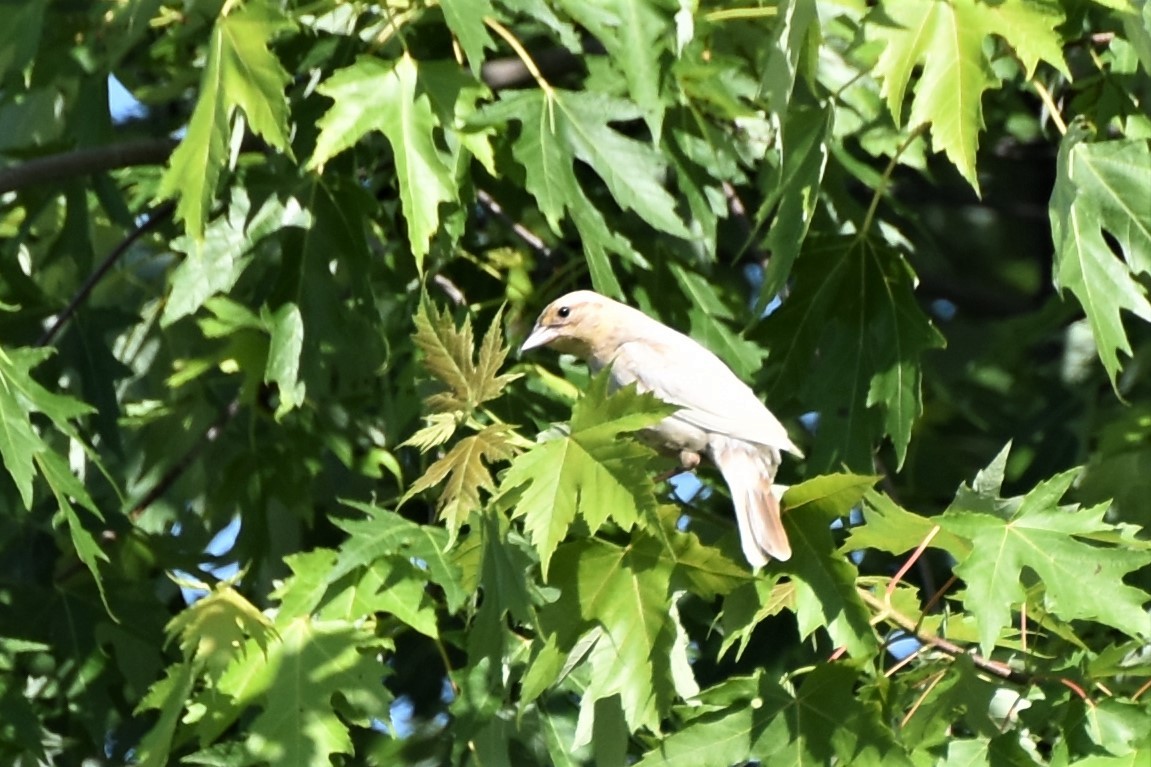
(915,555)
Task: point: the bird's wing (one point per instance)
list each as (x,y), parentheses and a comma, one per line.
(680,371)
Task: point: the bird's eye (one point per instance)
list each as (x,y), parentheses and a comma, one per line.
(564,312)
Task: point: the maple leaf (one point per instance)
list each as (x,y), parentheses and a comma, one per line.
(1075,553)
(449,355)
(385,535)
(404,115)
(821,722)
(213,630)
(849,341)
(466,472)
(296,684)
(240,73)
(560,127)
(625,591)
(946,38)
(590,472)
(1102,187)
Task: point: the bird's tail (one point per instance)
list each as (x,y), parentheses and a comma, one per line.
(748,471)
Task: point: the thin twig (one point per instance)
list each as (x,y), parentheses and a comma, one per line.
(915,555)
(158,215)
(936,679)
(518,47)
(1001,670)
(885,180)
(530,238)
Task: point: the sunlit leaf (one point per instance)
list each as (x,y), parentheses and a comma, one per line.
(591,472)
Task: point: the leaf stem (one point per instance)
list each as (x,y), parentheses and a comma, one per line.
(1049,102)
(518,47)
(884,181)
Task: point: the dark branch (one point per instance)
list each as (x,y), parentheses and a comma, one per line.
(84,162)
(157,216)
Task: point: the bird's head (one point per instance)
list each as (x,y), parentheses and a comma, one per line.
(573,324)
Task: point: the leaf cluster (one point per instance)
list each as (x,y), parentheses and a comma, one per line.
(276,490)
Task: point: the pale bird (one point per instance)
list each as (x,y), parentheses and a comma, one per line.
(719,417)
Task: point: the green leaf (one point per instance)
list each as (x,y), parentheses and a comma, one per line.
(825,594)
(286,327)
(297,684)
(213,630)
(824,721)
(625,591)
(559,127)
(385,534)
(1102,188)
(20,35)
(20,396)
(637,34)
(848,342)
(252,76)
(239,72)
(466,20)
(946,38)
(891,528)
(591,472)
(169,696)
(406,120)
(214,262)
(793,190)
(1076,554)
(66,488)
(465,469)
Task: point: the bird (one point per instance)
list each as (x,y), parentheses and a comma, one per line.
(719,416)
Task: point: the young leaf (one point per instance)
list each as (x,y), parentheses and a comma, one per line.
(1101,188)
(449,356)
(465,469)
(214,629)
(406,120)
(591,472)
(947,38)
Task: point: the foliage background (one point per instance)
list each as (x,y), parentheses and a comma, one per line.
(278,301)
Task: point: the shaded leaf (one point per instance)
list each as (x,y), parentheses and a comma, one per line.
(1101,189)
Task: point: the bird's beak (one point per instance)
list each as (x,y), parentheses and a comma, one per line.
(541,336)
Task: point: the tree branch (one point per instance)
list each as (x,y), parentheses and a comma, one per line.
(84,162)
